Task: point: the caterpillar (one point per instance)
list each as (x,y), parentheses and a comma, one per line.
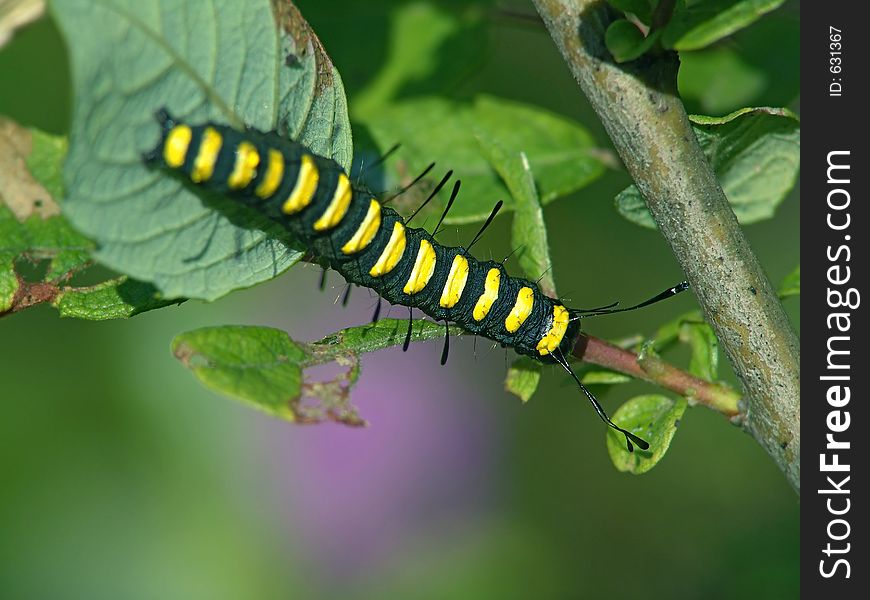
(370,244)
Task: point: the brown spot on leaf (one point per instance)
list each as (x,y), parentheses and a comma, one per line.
(30,294)
(291,22)
(18,189)
(15,15)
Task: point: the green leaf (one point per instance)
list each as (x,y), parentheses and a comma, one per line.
(427,45)
(375,336)
(117,298)
(699,23)
(523,377)
(704,361)
(654,418)
(8,284)
(640,8)
(603,377)
(33,234)
(626,42)
(791,285)
(257,365)
(264,368)
(235,63)
(756,155)
(529,231)
(751,69)
(561,153)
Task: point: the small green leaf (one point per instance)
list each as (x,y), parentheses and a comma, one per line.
(626,42)
(704,361)
(791,285)
(640,8)
(257,365)
(8,282)
(529,231)
(699,23)
(561,153)
(603,377)
(523,377)
(756,155)
(652,417)
(253,63)
(117,298)
(264,368)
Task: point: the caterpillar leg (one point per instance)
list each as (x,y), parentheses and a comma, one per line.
(446,350)
(377,314)
(629,437)
(408,335)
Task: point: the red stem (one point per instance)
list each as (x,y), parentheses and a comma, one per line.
(654,370)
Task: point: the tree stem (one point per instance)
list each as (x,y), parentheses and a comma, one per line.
(653,369)
(639,106)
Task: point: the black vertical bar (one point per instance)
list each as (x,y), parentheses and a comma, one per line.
(834,173)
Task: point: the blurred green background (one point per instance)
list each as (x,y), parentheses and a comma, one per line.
(123,478)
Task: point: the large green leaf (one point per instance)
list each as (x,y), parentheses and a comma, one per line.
(698,23)
(653,417)
(264,368)
(223,60)
(756,155)
(561,153)
(40,253)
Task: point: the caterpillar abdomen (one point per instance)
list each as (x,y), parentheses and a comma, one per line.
(368,243)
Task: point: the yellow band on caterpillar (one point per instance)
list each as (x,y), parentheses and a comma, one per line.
(489,296)
(338,206)
(424,267)
(306,185)
(456,281)
(206,157)
(554,336)
(247,160)
(365,233)
(274,173)
(392,253)
(521,310)
(176,145)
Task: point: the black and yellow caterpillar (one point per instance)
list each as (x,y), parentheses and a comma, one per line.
(368,243)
